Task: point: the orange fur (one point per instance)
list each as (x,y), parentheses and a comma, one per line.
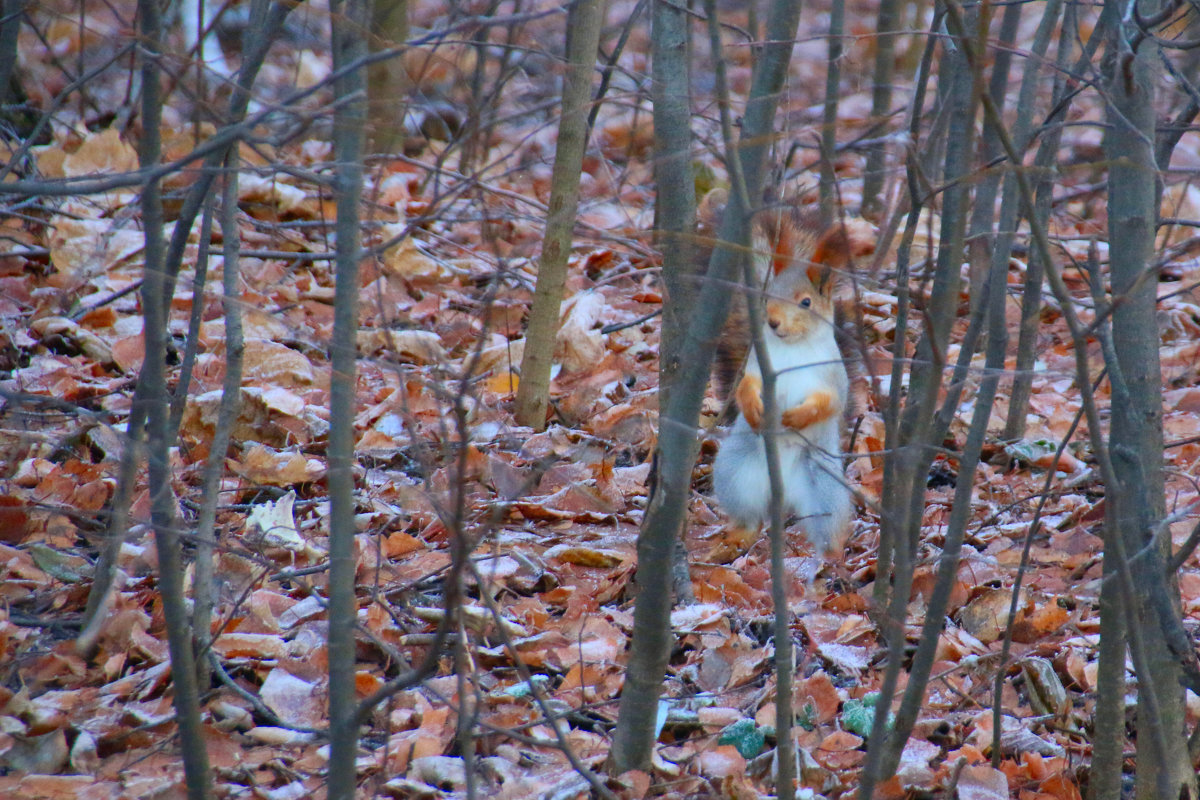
(749,400)
(833,248)
(818,406)
(785,247)
(788,317)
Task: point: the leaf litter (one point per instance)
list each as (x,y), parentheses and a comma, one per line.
(553,515)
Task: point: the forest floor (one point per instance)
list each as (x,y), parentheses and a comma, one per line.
(552,516)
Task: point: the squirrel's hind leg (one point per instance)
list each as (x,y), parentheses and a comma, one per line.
(823,502)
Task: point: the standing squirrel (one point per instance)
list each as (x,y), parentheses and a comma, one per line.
(796,262)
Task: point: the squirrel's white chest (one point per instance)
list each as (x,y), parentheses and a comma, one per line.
(802,368)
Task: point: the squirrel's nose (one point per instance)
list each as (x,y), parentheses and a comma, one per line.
(774,323)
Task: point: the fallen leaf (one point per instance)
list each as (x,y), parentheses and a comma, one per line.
(260,464)
(273,523)
(296,701)
(980,782)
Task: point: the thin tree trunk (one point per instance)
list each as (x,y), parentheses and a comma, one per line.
(1136,432)
(982,243)
(1035,271)
(992,302)
(1159,734)
(785,665)
(583,39)
(675,209)
(11,12)
(1108,721)
(926,376)
(633,739)
(350,21)
(195,318)
(206,537)
(881,102)
(387,81)
(785,751)
(829,116)
(893,562)
(186,698)
(205,541)
(917,429)
(267,19)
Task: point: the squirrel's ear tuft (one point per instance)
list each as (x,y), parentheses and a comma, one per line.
(839,245)
(833,248)
(785,247)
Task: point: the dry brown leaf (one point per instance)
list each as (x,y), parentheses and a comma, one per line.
(273,524)
(272,364)
(261,464)
(410,346)
(92,345)
(250,645)
(721,762)
(982,782)
(14,520)
(59,787)
(840,750)
(45,753)
(914,769)
(275,399)
(818,691)
(585,556)
(845,657)
(128,352)
(406,260)
(1046,619)
(271,191)
(503,357)
(278,736)
(294,700)
(697,617)
(82,248)
(102,152)
(580,345)
(986,616)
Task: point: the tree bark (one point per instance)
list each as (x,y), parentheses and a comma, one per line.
(675,210)
(186,696)
(633,739)
(981,237)
(11,12)
(918,429)
(829,115)
(231,394)
(350,24)
(881,102)
(387,81)
(1136,432)
(583,39)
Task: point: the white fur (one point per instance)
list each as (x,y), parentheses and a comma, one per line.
(814,486)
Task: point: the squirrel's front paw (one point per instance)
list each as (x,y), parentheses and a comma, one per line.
(749,400)
(819,406)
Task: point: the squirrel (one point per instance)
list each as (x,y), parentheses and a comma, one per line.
(796,261)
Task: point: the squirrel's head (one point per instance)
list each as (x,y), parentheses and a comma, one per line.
(801,271)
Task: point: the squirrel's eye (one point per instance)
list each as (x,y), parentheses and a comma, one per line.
(806,302)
